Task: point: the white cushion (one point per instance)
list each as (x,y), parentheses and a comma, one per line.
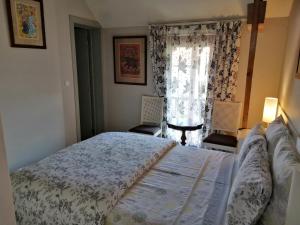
(251,189)
(275,130)
(255,136)
(284,160)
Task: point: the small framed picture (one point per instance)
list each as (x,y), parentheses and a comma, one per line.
(130,60)
(298,67)
(26,23)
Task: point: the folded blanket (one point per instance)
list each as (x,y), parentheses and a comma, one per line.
(82,183)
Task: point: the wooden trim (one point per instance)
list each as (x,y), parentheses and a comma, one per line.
(253,40)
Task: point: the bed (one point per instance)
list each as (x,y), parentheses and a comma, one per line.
(82,183)
(188,186)
(131,179)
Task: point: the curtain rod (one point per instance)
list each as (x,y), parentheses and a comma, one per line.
(202,21)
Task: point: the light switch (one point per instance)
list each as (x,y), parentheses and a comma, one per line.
(67,83)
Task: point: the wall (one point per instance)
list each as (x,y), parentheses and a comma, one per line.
(63,10)
(267,66)
(7,214)
(289,95)
(31,95)
(122,103)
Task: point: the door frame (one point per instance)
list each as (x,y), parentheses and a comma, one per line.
(90,25)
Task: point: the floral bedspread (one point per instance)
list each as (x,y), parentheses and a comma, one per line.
(82,183)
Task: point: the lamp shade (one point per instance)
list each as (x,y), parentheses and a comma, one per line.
(270,109)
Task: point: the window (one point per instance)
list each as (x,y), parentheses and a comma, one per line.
(187,87)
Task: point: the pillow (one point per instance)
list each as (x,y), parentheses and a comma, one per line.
(284,160)
(251,189)
(255,136)
(275,130)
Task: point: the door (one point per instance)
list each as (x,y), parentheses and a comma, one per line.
(89,83)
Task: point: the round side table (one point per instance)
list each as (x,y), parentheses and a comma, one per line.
(183,127)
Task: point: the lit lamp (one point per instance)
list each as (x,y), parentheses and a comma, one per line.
(270,109)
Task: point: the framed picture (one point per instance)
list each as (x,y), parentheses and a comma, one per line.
(130,60)
(26,23)
(298,67)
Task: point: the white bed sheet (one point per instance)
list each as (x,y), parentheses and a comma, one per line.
(188,186)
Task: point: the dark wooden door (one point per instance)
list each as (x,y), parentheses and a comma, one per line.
(85,83)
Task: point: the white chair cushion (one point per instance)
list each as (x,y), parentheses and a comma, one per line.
(251,189)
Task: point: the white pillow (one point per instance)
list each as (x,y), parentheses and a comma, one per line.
(255,136)
(284,160)
(251,189)
(275,130)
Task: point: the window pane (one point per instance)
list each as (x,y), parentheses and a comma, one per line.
(187,88)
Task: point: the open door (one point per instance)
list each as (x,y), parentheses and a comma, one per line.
(89,80)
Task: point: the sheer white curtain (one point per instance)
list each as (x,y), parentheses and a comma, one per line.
(185,58)
(189,51)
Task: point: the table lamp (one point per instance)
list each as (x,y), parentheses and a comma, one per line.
(270,109)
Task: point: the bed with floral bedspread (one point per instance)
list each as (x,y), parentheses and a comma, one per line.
(82,183)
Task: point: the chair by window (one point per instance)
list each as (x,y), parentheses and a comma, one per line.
(151,116)
(226,119)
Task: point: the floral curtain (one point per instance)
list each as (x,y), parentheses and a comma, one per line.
(197,62)
(158,45)
(222,81)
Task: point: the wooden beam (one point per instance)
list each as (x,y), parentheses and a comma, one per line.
(256,12)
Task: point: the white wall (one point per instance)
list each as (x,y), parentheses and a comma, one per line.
(267,66)
(7,212)
(64,8)
(122,103)
(129,13)
(31,93)
(289,96)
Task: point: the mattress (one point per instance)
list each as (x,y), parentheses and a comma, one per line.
(188,186)
(82,183)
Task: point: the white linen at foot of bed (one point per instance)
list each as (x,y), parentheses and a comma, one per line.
(186,187)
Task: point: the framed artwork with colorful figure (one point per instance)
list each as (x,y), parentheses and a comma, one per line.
(26,23)
(130,60)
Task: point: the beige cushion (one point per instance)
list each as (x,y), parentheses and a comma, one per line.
(275,130)
(255,136)
(284,160)
(226,116)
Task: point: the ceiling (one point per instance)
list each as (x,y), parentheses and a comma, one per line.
(129,13)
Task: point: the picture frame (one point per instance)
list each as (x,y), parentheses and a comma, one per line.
(298,67)
(130,60)
(26,23)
